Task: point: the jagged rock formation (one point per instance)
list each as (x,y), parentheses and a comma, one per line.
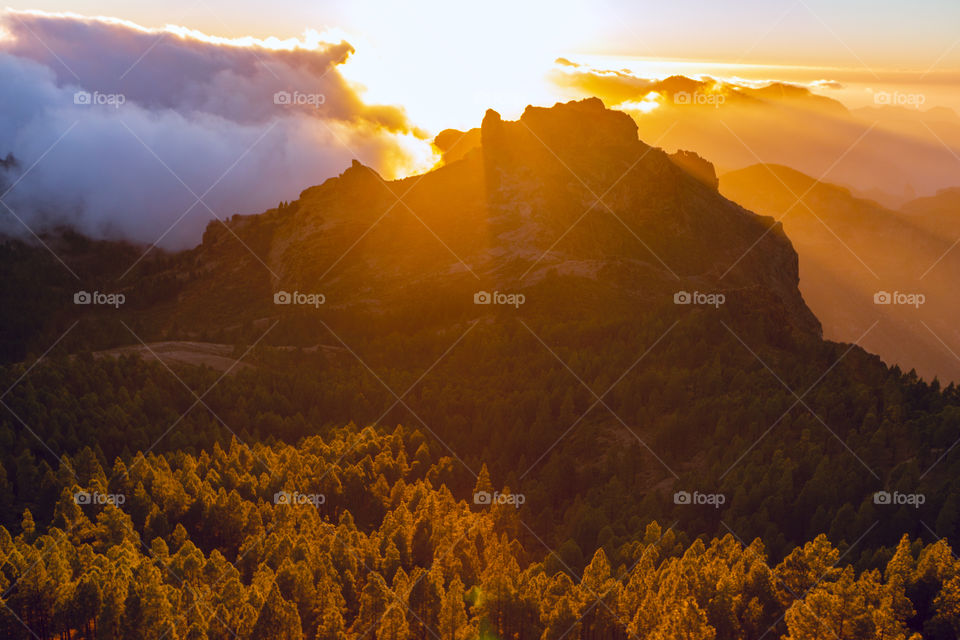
(568,191)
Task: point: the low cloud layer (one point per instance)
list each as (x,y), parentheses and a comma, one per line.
(898,147)
(118,130)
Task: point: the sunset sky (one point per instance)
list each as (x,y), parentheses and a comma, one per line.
(447,61)
(508,319)
(199,80)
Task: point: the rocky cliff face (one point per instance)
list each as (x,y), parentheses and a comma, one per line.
(565,199)
(698,167)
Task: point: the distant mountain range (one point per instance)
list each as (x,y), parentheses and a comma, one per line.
(853,249)
(888,152)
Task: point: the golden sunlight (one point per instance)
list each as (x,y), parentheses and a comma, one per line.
(433,319)
(447,62)
(650,102)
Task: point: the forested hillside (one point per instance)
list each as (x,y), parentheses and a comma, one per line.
(618,419)
(356,536)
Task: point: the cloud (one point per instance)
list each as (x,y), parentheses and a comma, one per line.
(884,150)
(826,84)
(117,130)
(624,88)
(612,86)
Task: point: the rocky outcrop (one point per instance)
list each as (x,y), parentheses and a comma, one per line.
(700,168)
(565,192)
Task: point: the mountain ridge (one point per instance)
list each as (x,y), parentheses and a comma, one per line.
(566,197)
(852,249)
(502,220)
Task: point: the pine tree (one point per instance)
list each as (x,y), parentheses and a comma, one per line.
(393,624)
(278,619)
(424,600)
(421,546)
(483,485)
(684,621)
(453,616)
(563,620)
(374,599)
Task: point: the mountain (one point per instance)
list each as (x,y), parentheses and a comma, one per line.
(565,195)
(620,87)
(851,248)
(575,310)
(939,213)
(889,152)
(565,199)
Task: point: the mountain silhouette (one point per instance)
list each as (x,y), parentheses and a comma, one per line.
(567,194)
(852,248)
(581,311)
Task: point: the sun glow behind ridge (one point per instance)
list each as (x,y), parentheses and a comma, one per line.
(448,62)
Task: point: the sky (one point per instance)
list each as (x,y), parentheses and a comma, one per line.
(879,32)
(446,60)
(200,132)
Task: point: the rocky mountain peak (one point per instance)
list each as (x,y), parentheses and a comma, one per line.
(567,131)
